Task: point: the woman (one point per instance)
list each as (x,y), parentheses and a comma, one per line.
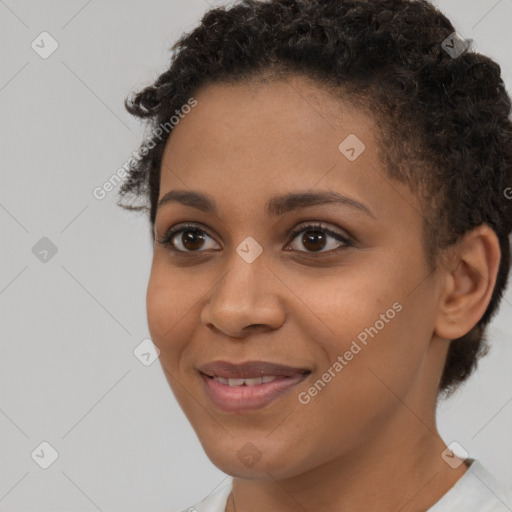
(331,225)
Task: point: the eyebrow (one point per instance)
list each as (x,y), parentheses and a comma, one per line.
(277,205)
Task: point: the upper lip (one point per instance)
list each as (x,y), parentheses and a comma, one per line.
(248,369)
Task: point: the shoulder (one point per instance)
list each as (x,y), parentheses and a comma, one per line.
(214,502)
(476,491)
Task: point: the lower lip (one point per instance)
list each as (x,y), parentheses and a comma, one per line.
(244,398)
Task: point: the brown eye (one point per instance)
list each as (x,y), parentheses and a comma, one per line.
(192,239)
(313,240)
(316,238)
(186,239)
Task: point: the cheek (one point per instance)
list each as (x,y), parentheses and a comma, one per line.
(169,300)
(375,325)
(341,307)
(383,353)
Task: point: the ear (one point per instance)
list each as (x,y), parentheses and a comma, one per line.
(469,280)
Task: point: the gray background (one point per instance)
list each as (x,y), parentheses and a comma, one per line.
(69,326)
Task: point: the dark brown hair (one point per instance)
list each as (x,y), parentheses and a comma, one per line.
(444,118)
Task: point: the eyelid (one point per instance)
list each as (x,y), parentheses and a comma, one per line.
(344,238)
(178,228)
(320,226)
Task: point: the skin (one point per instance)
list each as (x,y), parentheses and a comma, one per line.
(368,440)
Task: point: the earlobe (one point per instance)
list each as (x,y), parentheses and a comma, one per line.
(469,282)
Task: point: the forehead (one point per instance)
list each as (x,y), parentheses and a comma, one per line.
(289,109)
(245,143)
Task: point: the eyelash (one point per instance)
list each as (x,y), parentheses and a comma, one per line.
(171,233)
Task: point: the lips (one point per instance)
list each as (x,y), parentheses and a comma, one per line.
(247,387)
(249,370)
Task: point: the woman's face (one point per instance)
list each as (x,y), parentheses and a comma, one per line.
(354,319)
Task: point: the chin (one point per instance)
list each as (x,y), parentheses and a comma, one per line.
(251,463)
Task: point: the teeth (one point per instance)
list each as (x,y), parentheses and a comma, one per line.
(235,382)
(252,382)
(248,382)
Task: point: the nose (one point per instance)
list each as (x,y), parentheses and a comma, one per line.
(247,297)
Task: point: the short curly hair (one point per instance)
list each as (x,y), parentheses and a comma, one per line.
(443,118)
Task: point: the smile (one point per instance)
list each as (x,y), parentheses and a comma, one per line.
(246,382)
(246,395)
